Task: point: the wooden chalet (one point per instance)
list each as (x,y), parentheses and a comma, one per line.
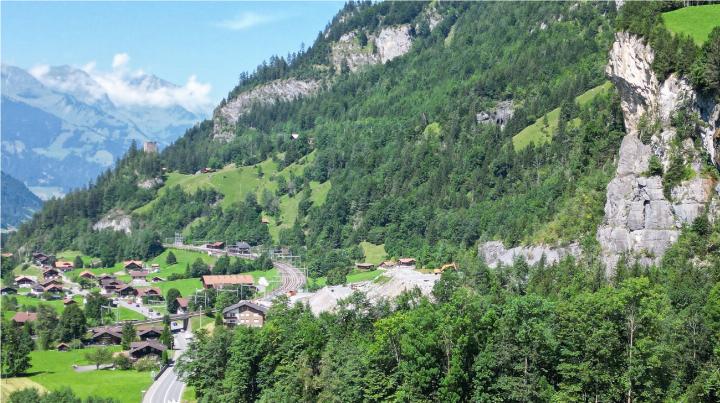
(64,265)
(51,273)
(24,281)
(245,313)
(51,281)
(87,274)
(225,280)
(63,347)
(126,291)
(8,290)
(138,274)
(406,261)
(40,259)
(365,266)
(22,317)
(215,245)
(182,305)
(140,349)
(157,279)
(388,264)
(54,289)
(69,301)
(106,335)
(149,333)
(150,292)
(110,285)
(242,248)
(133,265)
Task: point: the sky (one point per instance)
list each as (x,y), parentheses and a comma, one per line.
(200,46)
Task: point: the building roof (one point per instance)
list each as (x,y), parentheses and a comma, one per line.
(50,282)
(69,301)
(21,278)
(247,304)
(144,330)
(364,265)
(218,244)
(124,287)
(227,279)
(243,245)
(51,269)
(138,273)
(8,288)
(22,317)
(130,262)
(406,260)
(139,345)
(86,273)
(149,291)
(62,264)
(156,278)
(115,331)
(60,345)
(52,287)
(182,302)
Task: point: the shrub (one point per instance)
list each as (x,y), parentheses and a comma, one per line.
(655,167)
(147,364)
(76,344)
(121,361)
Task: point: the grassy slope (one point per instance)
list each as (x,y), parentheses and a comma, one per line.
(373,253)
(355,276)
(695,21)
(235,183)
(537,132)
(10,385)
(53,370)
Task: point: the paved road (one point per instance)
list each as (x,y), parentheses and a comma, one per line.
(168,388)
(142,309)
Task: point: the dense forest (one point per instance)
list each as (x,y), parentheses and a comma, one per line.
(543,333)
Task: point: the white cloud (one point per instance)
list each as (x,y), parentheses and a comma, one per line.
(126,87)
(120,60)
(245,20)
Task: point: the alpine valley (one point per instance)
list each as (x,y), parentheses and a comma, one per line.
(458,201)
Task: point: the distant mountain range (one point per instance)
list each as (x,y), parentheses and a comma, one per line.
(60,129)
(18,202)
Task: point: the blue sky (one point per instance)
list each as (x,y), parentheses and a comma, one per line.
(213,41)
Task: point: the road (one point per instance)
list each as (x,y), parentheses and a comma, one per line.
(168,388)
(142,309)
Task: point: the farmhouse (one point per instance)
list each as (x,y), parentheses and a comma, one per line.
(138,274)
(150,293)
(40,259)
(24,281)
(107,335)
(133,265)
(157,279)
(215,245)
(51,273)
(8,290)
(52,281)
(387,264)
(63,347)
(242,248)
(110,285)
(87,274)
(53,289)
(150,333)
(220,281)
(364,266)
(126,290)
(68,301)
(64,265)
(182,305)
(141,349)
(22,317)
(245,313)
(406,261)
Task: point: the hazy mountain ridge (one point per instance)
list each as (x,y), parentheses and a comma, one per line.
(61,129)
(18,202)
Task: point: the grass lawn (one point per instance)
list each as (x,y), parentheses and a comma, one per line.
(185,286)
(31,270)
(188,395)
(207,322)
(183,257)
(696,21)
(355,276)
(235,183)
(374,254)
(53,370)
(538,133)
(56,303)
(129,314)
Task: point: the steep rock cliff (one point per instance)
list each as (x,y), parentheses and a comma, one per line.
(640,221)
(226,116)
(495,253)
(387,44)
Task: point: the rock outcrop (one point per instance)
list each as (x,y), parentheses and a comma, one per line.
(499,115)
(640,222)
(225,117)
(389,43)
(115,220)
(151,183)
(494,253)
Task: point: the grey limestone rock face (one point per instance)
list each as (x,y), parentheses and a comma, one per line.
(495,253)
(499,115)
(389,43)
(640,222)
(115,220)
(225,117)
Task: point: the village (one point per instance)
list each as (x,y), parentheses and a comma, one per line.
(147,317)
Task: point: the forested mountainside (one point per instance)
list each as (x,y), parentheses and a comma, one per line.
(431,128)
(18,202)
(398,143)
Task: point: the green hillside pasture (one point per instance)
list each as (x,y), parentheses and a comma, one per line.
(374,254)
(696,21)
(538,133)
(53,370)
